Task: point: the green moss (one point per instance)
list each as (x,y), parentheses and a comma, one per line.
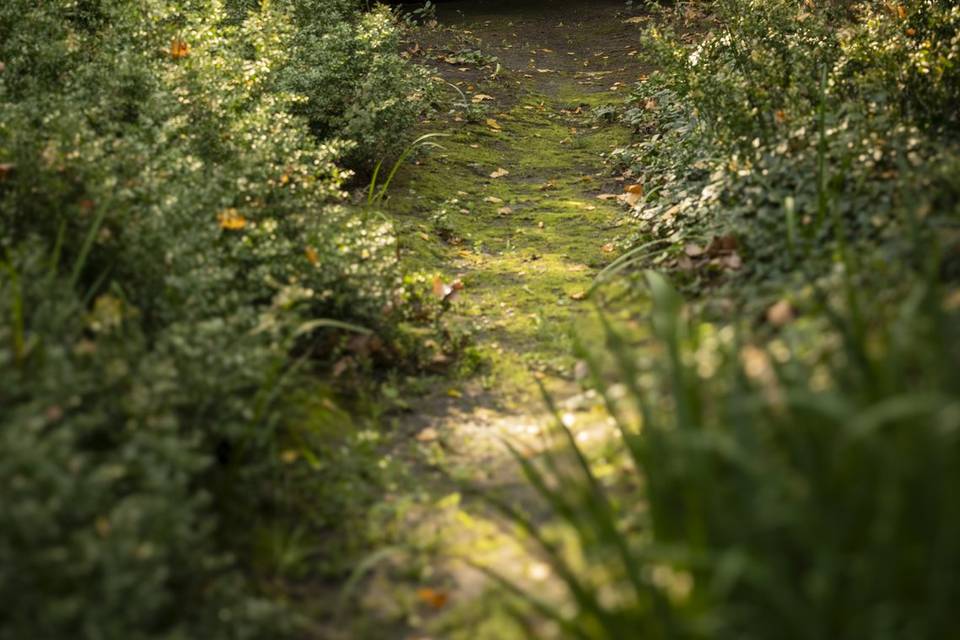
(527,244)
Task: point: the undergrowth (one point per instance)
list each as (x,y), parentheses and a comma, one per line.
(174,257)
(787,440)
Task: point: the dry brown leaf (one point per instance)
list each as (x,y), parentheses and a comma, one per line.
(951,301)
(499,173)
(480,97)
(504,211)
(608,248)
(721,245)
(780,314)
(428,435)
(693,250)
(493,200)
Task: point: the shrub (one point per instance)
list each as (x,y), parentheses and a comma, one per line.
(794,128)
(348,66)
(170,231)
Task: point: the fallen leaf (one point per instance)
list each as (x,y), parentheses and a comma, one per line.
(432,597)
(951,301)
(493,124)
(447,292)
(721,245)
(499,173)
(780,314)
(454,393)
(342,366)
(733,261)
(312,256)
(633,195)
(231,220)
(607,196)
(693,250)
(578,295)
(493,200)
(504,211)
(608,248)
(481,97)
(178,49)
(428,435)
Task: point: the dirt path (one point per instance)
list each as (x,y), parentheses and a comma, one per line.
(510,208)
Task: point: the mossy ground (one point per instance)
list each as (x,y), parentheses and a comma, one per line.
(509,207)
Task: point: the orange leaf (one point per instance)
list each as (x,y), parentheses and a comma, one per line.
(231,220)
(432,597)
(312,256)
(178,49)
(438,287)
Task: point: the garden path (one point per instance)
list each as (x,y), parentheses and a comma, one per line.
(519,207)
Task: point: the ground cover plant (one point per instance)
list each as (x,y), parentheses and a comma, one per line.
(787,437)
(174,251)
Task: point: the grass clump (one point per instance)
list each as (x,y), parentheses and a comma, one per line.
(764,492)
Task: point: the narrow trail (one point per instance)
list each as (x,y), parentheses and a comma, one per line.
(509,207)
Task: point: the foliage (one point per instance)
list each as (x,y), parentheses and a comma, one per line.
(170,232)
(766,492)
(347,64)
(778,127)
(781,475)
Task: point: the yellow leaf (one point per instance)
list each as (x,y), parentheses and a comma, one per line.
(312,256)
(231,220)
(499,173)
(493,124)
